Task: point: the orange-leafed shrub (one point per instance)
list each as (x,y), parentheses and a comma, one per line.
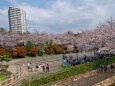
(50,51)
(60,50)
(64,46)
(57,50)
(19,53)
(14,53)
(2,51)
(34,52)
(55,47)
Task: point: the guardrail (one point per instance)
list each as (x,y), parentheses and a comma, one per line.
(13,78)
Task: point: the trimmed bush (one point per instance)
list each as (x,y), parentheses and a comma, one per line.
(34,52)
(2,51)
(82,68)
(19,53)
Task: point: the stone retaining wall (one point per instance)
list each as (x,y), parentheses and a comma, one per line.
(107,82)
(73,78)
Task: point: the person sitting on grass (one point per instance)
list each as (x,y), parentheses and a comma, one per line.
(37,67)
(28,64)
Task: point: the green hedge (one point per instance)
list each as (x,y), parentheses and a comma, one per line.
(82,68)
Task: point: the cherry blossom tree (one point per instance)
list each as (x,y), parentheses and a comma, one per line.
(13,39)
(101,39)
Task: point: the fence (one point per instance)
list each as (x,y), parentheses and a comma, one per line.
(13,78)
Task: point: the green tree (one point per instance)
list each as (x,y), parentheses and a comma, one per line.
(28,32)
(29,45)
(49,46)
(2,29)
(6,58)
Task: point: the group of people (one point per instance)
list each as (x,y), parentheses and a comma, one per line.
(76,61)
(104,67)
(44,68)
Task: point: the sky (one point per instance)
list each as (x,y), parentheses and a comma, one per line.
(59,16)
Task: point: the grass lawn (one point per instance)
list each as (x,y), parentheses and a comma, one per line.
(3,77)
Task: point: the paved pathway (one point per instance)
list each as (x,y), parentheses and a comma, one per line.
(54,61)
(44,58)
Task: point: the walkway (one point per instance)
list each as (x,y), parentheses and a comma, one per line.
(54,61)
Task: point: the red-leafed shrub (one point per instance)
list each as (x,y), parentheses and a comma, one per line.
(19,53)
(34,52)
(58,49)
(2,51)
(55,47)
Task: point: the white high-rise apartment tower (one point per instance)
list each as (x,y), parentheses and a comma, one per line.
(17,20)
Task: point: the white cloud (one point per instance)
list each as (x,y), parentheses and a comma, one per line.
(4,18)
(66,14)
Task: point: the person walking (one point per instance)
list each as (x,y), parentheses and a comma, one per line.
(105,68)
(47,68)
(43,68)
(112,67)
(71,64)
